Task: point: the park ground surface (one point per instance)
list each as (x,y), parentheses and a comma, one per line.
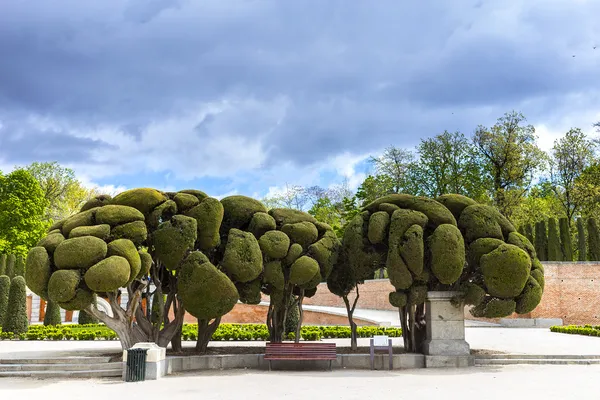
(482,383)
(505,340)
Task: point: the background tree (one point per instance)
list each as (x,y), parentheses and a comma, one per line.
(2,264)
(539,203)
(63,191)
(16,320)
(448,163)
(511,159)
(581,241)
(593,240)
(565,239)
(19,266)
(587,190)
(52,316)
(554,253)
(571,155)
(11,260)
(4,293)
(395,163)
(374,187)
(22,207)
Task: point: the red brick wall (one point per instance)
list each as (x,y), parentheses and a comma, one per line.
(572,293)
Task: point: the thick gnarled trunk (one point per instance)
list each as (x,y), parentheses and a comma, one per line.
(205,332)
(412,320)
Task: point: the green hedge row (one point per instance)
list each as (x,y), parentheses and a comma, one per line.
(63,332)
(241,332)
(588,330)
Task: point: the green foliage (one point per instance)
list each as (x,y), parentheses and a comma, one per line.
(174,239)
(510,157)
(505,270)
(587,330)
(126,249)
(374,187)
(581,241)
(144,199)
(447,253)
(99,231)
(448,163)
(541,241)
(238,212)
(571,155)
(593,240)
(566,245)
(378,226)
(63,284)
(19,266)
(108,275)
(38,271)
(2,264)
(52,316)
(303,270)
(22,208)
(4,294)
(554,253)
(293,315)
(199,276)
(80,253)
(134,231)
(274,244)
(86,319)
(114,215)
(243,258)
(208,215)
(10,265)
(16,320)
(304,233)
(494,308)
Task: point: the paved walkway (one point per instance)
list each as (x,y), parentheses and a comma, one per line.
(477,383)
(382,317)
(507,340)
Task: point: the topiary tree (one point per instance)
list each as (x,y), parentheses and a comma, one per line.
(19,266)
(4,293)
(554,252)
(16,320)
(593,240)
(10,265)
(565,239)
(2,264)
(541,241)
(85,318)
(529,233)
(52,316)
(581,246)
(150,243)
(451,243)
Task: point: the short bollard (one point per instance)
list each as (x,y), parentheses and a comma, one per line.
(136,365)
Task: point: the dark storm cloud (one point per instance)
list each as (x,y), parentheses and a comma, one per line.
(350,75)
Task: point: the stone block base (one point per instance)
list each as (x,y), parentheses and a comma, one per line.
(449,361)
(446,347)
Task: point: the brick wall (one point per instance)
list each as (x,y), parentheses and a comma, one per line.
(572,293)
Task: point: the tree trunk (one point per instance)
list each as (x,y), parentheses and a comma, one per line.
(353,327)
(299,325)
(405,330)
(411,323)
(205,332)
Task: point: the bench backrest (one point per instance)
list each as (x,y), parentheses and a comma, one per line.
(301,348)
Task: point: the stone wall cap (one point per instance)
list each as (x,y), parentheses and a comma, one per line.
(442,295)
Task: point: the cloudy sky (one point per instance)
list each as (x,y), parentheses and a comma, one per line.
(245,96)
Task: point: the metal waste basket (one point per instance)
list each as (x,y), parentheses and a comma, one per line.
(136,365)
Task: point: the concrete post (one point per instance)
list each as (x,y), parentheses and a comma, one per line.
(445,344)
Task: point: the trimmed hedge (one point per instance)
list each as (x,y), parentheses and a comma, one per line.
(588,330)
(240,332)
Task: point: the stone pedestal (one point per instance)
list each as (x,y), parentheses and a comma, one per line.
(156,365)
(445,326)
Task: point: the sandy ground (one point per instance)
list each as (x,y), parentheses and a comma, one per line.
(481,383)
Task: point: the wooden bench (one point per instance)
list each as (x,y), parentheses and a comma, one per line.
(300,351)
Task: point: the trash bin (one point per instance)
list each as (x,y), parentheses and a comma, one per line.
(136,365)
